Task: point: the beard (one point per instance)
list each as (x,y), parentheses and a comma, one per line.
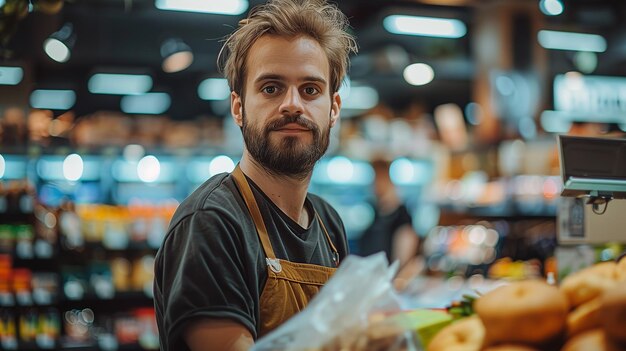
(288,156)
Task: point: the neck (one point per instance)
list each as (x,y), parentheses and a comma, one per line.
(285,192)
(388,201)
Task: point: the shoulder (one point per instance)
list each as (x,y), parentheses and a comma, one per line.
(212,213)
(218,193)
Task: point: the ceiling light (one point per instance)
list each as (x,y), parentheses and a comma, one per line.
(119,84)
(133,152)
(505,85)
(340,169)
(425,26)
(53,99)
(13,167)
(60,43)
(219,164)
(148,169)
(149,103)
(73,167)
(214,89)
(555,122)
(402,171)
(177,55)
(586,61)
(418,74)
(551,39)
(551,7)
(361,98)
(11,75)
(221,7)
(474,113)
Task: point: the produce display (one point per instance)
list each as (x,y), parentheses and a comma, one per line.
(466,334)
(586,312)
(399,331)
(527,312)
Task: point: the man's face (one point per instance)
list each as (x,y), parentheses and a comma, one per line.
(287,110)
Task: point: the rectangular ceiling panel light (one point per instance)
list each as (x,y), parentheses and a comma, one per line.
(425,26)
(551,39)
(149,103)
(11,75)
(214,89)
(361,98)
(119,84)
(12,167)
(220,7)
(53,99)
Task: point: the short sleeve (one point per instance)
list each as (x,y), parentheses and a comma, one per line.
(200,273)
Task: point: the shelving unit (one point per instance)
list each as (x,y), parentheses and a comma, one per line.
(29,317)
(66,298)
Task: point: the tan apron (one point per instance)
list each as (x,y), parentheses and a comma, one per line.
(289,285)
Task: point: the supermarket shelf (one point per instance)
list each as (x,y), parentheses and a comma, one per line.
(121,301)
(120,295)
(133,247)
(18,307)
(11,217)
(98,253)
(37,264)
(31,346)
(504,210)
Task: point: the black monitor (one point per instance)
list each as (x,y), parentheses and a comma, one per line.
(593,166)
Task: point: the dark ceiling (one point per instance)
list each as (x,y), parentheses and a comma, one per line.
(125,36)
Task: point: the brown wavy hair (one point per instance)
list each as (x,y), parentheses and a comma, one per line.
(317,19)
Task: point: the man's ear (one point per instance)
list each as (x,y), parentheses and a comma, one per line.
(334,109)
(236,108)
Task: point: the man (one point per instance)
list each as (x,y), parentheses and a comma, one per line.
(391,230)
(248,250)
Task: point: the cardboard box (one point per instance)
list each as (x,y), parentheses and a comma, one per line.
(578,224)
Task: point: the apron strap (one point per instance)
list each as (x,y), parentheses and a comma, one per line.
(248,197)
(253,207)
(332,246)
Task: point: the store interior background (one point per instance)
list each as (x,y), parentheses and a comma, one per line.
(89,180)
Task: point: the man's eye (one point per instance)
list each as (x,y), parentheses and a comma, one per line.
(310,90)
(269,89)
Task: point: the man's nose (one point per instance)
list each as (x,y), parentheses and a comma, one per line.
(292,102)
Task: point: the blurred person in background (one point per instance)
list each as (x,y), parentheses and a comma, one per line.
(39,122)
(249,249)
(13,127)
(391,230)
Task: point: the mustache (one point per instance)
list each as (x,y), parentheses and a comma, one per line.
(297,119)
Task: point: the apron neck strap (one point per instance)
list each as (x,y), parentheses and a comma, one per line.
(253,207)
(248,197)
(332,246)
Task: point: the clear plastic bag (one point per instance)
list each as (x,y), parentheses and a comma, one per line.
(342,314)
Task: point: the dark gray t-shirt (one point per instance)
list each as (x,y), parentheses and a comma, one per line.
(212,264)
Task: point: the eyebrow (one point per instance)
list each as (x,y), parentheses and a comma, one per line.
(270,76)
